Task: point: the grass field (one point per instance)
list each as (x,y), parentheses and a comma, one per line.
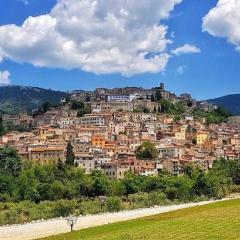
(218,221)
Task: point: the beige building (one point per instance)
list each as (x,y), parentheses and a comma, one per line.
(172,165)
(180,134)
(115,171)
(85,161)
(47,154)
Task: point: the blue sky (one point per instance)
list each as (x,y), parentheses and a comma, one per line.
(213,72)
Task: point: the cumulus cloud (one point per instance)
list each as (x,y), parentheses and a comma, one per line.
(187,48)
(5,78)
(100,36)
(224,21)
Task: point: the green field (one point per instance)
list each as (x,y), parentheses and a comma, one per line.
(218,221)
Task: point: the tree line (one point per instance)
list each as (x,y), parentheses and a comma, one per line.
(21,181)
(29,191)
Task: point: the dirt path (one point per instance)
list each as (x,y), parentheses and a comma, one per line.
(57,226)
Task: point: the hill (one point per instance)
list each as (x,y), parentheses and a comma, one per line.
(230,102)
(214,221)
(17,98)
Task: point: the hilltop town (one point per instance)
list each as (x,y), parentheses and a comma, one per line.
(108,127)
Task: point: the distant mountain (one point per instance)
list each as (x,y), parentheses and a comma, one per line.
(230,102)
(17,98)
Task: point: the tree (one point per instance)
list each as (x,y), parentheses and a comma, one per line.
(179,108)
(100,185)
(60,165)
(177,118)
(200,186)
(158,95)
(223,112)
(70,157)
(146,110)
(83,111)
(1,126)
(10,161)
(165,106)
(46,106)
(87,99)
(77,105)
(152,98)
(131,183)
(147,150)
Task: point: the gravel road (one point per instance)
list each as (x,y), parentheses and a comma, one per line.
(57,226)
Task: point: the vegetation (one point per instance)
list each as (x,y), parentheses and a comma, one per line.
(77,105)
(81,107)
(10,162)
(46,106)
(230,102)
(30,191)
(214,221)
(147,150)
(83,111)
(170,108)
(70,157)
(158,95)
(2,131)
(216,116)
(14,99)
(152,98)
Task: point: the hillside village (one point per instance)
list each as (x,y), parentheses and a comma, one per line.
(105,127)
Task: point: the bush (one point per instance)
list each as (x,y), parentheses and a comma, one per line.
(113,204)
(235,189)
(157,198)
(64,208)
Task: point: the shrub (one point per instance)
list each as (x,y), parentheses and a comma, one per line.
(64,208)
(235,189)
(157,198)
(113,204)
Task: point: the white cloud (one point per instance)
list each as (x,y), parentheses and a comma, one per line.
(187,48)
(224,21)
(181,70)
(5,78)
(100,36)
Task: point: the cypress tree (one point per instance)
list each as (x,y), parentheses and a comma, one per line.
(70,157)
(1,127)
(152,98)
(158,95)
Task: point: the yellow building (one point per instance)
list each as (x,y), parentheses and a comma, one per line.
(201,137)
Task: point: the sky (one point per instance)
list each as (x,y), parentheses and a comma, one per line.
(191,45)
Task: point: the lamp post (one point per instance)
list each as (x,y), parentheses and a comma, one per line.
(71,221)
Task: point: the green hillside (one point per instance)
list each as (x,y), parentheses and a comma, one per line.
(229,102)
(16,98)
(217,221)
